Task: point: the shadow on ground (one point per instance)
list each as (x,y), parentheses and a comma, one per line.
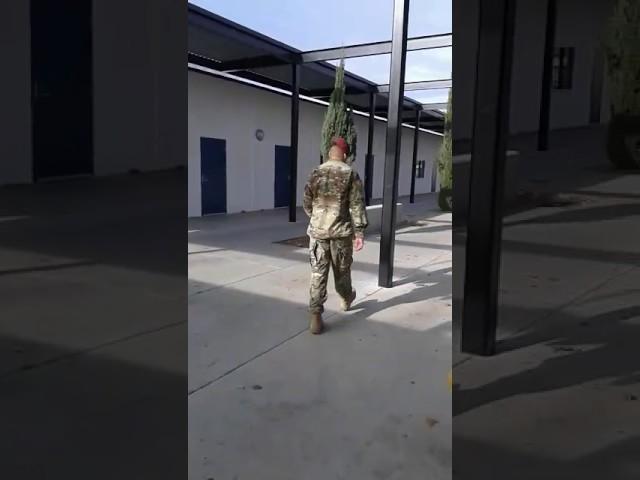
(93,337)
(577,347)
(129,221)
(372,389)
(601,347)
(483,461)
(90,412)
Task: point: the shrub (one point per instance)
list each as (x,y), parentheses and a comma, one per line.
(622,49)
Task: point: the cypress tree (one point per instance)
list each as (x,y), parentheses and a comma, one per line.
(622,49)
(337,119)
(445,163)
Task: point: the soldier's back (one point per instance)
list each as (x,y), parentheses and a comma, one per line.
(330,185)
(331,181)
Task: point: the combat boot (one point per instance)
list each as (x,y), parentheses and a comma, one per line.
(316,326)
(346,304)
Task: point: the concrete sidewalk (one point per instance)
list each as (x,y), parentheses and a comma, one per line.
(78,370)
(368,399)
(559,399)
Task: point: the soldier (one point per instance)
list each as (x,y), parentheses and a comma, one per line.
(333,200)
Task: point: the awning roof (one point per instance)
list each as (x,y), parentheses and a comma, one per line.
(213,40)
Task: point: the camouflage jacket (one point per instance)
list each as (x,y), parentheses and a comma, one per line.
(334,201)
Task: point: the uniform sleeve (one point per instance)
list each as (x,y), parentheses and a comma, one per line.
(357,207)
(307,198)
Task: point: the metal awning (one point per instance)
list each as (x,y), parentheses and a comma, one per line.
(220,44)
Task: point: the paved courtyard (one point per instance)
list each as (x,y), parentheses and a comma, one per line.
(559,400)
(369,399)
(76,368)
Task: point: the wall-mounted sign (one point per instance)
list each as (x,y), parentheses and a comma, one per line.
(259,134)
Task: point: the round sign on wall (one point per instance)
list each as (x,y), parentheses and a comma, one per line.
(259,134)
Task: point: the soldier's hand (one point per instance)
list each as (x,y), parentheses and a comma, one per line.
(358,243)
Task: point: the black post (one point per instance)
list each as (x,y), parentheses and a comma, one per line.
(547,76)
(416,134)
(293,150)
(394,132)
(490,133)
(597,78)
(368,162)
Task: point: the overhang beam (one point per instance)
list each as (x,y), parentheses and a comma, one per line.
(326,92)
(414,86)
(434,106)
(255,62)
(378,48)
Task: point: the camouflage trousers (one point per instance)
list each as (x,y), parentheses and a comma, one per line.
(337,254)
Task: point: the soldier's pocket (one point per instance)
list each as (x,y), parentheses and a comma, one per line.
(345,258)
(313,253)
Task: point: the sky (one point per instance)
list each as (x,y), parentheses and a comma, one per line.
(311,24)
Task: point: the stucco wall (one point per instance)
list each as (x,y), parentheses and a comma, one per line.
(583,29)
(577,27)
(465,39)
(139,85)
(227,110)
(15,96)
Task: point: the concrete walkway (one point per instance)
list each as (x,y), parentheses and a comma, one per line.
(366,400)
(78,370)
(560,398)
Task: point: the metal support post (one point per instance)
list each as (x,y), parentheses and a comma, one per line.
(394,134)
(488,152)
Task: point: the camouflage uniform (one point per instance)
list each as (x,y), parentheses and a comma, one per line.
(333,200)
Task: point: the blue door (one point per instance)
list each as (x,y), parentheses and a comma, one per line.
(281,184)
(61,86)
(213,175)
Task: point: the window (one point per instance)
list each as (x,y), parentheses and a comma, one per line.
(563,68)
(420,169)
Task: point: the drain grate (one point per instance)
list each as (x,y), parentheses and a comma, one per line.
(549,200)
(561,200)
(300,242)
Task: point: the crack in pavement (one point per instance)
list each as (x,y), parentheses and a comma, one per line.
(79,353)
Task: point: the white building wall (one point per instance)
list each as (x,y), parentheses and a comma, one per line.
(465,38)
(577,27)
(583,29)
(528,43)
(231,111)
(138,79)
(15,96)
